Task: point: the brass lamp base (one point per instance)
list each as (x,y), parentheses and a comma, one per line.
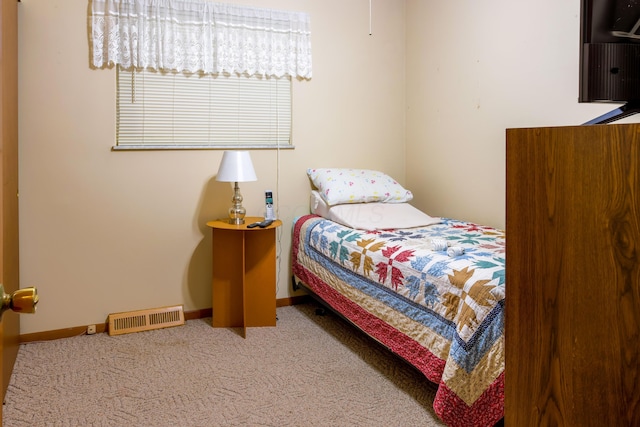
(237,212)
(235,221)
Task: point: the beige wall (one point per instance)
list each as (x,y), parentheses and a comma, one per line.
(475,69)
(104,232)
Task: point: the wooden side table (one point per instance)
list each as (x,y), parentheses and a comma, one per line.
(244,274)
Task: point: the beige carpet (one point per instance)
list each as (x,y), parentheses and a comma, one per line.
(308,371)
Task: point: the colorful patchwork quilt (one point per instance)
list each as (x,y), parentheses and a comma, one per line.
(433,295)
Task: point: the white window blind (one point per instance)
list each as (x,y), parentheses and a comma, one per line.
(157,110)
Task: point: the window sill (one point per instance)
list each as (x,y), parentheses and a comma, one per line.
(148,147)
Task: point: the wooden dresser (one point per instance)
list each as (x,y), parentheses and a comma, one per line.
(573,276)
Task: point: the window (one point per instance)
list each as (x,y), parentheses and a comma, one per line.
(158,110)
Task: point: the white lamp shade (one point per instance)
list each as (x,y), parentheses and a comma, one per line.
(236,166)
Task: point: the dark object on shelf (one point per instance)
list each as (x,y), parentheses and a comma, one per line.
(610,56)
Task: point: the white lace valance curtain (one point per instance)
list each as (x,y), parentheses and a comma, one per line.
(200,36)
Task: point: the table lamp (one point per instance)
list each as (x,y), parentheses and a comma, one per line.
(236,166)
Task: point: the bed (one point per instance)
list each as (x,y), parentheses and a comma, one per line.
(431,289)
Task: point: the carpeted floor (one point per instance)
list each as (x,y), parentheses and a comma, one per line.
(307,371)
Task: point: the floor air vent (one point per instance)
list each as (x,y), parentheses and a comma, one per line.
(145,320)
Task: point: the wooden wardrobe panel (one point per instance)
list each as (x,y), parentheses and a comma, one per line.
(573,276)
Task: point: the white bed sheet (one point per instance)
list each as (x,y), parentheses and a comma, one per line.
(372,216)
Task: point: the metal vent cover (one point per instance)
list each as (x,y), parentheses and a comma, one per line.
(145,320)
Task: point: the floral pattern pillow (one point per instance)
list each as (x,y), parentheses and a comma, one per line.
(342,186)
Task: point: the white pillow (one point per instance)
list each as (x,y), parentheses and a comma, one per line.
(338,186)
(372,216)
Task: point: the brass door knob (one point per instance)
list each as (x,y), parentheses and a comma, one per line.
(20,301)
